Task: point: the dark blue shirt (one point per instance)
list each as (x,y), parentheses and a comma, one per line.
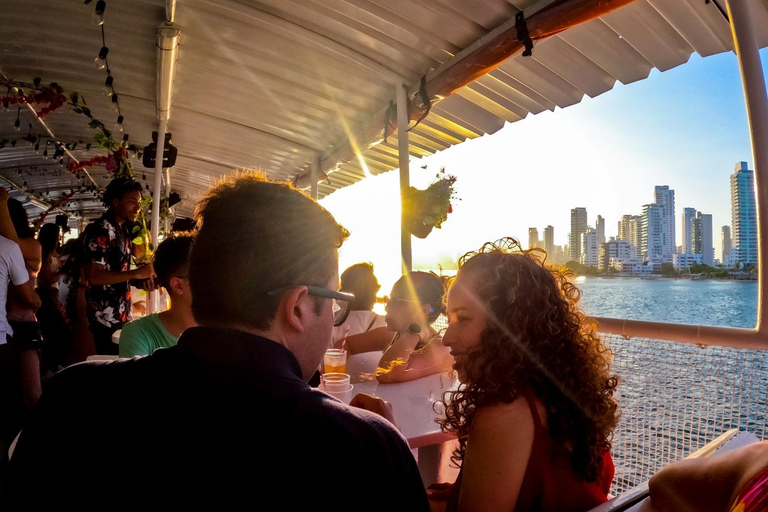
(222,418)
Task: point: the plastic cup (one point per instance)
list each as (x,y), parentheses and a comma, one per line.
(335,382)
(335,361)
(337,385)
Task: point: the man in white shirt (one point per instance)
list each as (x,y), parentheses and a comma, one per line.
(19,366)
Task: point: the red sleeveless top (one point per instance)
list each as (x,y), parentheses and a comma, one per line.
(550,484)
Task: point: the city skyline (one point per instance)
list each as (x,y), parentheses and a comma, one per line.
(649,235)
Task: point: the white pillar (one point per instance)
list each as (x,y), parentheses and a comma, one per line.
(156,199)
(405,178)
(167,221)
(314,172)
(747,51)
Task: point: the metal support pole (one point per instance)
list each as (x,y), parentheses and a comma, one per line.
(156,198)
(405,177)
(167,221)
(314,172)
(747,51)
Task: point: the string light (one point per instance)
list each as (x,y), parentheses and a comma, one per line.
(119,125)
(100,62)
(98,13)
(107,89)
(115,104)
(17,124)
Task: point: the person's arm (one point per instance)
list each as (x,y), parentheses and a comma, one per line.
(99,276)
(26,294)
(6,226)
(33,254)
(370,341)
(435,358)
(706,485)
(95,259)
(22,286)
(498,449)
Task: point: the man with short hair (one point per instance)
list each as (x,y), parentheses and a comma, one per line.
(226,418)
(162,330)
(107,255)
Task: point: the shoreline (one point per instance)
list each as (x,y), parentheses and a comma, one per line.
(659,277)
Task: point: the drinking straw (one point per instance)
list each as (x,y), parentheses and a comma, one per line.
(344,340)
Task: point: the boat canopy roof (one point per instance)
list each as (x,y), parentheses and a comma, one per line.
(274,84)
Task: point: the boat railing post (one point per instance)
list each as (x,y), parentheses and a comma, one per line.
(405,180)
(753,81)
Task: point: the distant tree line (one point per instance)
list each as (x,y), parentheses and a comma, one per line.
(668,270)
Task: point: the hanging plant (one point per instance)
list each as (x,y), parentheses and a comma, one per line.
(424,210)
(117,161)
(51,96)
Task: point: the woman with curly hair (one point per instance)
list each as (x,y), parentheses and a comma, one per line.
(535,412)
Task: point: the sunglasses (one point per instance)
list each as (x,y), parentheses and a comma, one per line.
(341,300)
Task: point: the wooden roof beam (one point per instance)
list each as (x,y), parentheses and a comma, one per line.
(542,20)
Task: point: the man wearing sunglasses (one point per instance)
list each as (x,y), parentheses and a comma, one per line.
(226,416)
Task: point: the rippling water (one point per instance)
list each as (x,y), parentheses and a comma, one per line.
(706,302)
(676,397)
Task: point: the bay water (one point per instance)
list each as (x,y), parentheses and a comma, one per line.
(725,303)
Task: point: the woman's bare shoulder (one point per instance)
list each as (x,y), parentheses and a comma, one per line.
(507,415)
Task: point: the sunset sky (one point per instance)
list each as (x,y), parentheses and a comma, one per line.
(685,128)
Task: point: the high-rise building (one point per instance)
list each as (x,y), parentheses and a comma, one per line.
(614,250)
(589,248)
(578,228)
(725,239)
(624,228)
(635,233)
(702,238)
(743,216)
(666,198)
(686,220)
(549,241)
(533,238)
(600,228)
(651,231)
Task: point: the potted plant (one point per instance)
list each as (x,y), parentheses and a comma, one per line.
(424,210)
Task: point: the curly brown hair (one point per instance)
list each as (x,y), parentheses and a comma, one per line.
(536,340)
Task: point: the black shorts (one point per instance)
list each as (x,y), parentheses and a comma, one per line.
(26,336)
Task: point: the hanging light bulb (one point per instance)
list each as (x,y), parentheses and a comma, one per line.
(119,125)
(107,89)
(98,13)
(115,104)
(100,62)
(37,148)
